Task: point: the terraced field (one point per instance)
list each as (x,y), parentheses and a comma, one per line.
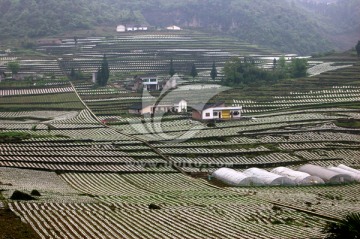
(101,171)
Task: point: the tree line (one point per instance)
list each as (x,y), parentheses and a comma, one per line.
(245,71)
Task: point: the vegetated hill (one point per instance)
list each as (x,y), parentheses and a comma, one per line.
(342,19)
(293,26)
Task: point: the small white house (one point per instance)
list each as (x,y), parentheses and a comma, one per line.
(173,28)
(121,28)
(217,111)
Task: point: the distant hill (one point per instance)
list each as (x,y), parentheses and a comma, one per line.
(302,26)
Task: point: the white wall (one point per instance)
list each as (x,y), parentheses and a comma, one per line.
(210,111)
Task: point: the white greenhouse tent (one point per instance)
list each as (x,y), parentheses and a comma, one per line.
(235,178)
(300,178)
(349,168)
(268,178)
(355,176)
(326,174)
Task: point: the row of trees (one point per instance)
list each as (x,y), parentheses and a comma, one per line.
(238,71)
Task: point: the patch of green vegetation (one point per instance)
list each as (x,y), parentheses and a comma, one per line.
(348,123)
(14,137)
(10,137)
(333,197)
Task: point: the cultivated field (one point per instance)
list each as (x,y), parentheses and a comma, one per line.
(98,168)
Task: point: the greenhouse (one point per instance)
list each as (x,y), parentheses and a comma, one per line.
(300,178)
(326,174)
(355,176)
(268,178)
(349,168)
(235,178)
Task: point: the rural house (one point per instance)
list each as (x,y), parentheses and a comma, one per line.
(217,111)
(152,83)
(151,108)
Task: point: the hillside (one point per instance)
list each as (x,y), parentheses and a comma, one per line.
(297,26)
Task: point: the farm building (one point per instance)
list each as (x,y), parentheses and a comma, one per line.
(217,111)
(150,108)
(173,28)
(325,174)
(235,178)
(132,28)
(121,28)
(152,83)
(270,179)
(354,175)
(300,178)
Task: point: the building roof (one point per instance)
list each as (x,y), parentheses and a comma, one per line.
(202,106)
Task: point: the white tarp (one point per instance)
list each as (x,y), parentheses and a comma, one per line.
(235,178)
(349,168)
(326,174)
(300,178)
(269,178)
(355,176)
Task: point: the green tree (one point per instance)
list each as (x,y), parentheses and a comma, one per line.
(172,70)
(213,72)
(348,227)
(193,71)
(298,68)
(103,73)
(274,64)
(14,67)
(357,47)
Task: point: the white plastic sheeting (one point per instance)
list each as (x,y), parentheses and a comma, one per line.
(268,178)
(349,168)
(235,178)
(300,178)
(326,174)
(355,176)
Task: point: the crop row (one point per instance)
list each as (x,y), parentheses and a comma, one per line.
(99,221)
(75,168)
(35,91)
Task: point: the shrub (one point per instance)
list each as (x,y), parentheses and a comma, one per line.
(35,193)
(17,195)
(153,206)
(348,227)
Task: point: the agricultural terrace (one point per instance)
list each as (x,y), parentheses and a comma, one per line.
(98,168)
